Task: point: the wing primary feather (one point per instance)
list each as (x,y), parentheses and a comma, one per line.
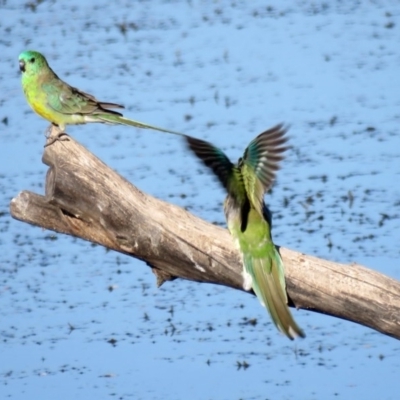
(212,157)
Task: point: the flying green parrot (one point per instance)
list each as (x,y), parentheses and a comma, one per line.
(249,219)
(62,104)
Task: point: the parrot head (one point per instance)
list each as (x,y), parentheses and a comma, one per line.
(31,61)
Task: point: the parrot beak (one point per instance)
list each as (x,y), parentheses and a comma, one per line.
(22,65)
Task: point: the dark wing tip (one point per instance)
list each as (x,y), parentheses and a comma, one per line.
(212,157)
(266,152)
(196,145)
(110,105)
(275,136)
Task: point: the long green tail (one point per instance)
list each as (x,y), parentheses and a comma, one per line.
(269,285)
(117,119)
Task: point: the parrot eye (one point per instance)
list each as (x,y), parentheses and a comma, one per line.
(32,60)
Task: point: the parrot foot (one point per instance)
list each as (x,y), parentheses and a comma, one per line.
(61,136)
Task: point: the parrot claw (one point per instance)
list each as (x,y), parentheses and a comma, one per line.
(54,138)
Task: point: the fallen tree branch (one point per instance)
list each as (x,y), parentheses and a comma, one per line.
(86,199)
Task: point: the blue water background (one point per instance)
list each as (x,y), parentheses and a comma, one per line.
(80,322)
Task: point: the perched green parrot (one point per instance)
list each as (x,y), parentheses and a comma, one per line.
(249,219)
(62,104)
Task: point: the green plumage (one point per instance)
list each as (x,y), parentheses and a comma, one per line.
(62,104)
(249,220)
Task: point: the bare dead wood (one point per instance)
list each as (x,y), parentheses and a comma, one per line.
(86,199)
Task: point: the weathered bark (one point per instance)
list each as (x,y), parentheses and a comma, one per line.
(87,199)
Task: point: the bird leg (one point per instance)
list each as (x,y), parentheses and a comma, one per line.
(52,138)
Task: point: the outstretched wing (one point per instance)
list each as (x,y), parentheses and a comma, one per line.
(213,158)
(260,162)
